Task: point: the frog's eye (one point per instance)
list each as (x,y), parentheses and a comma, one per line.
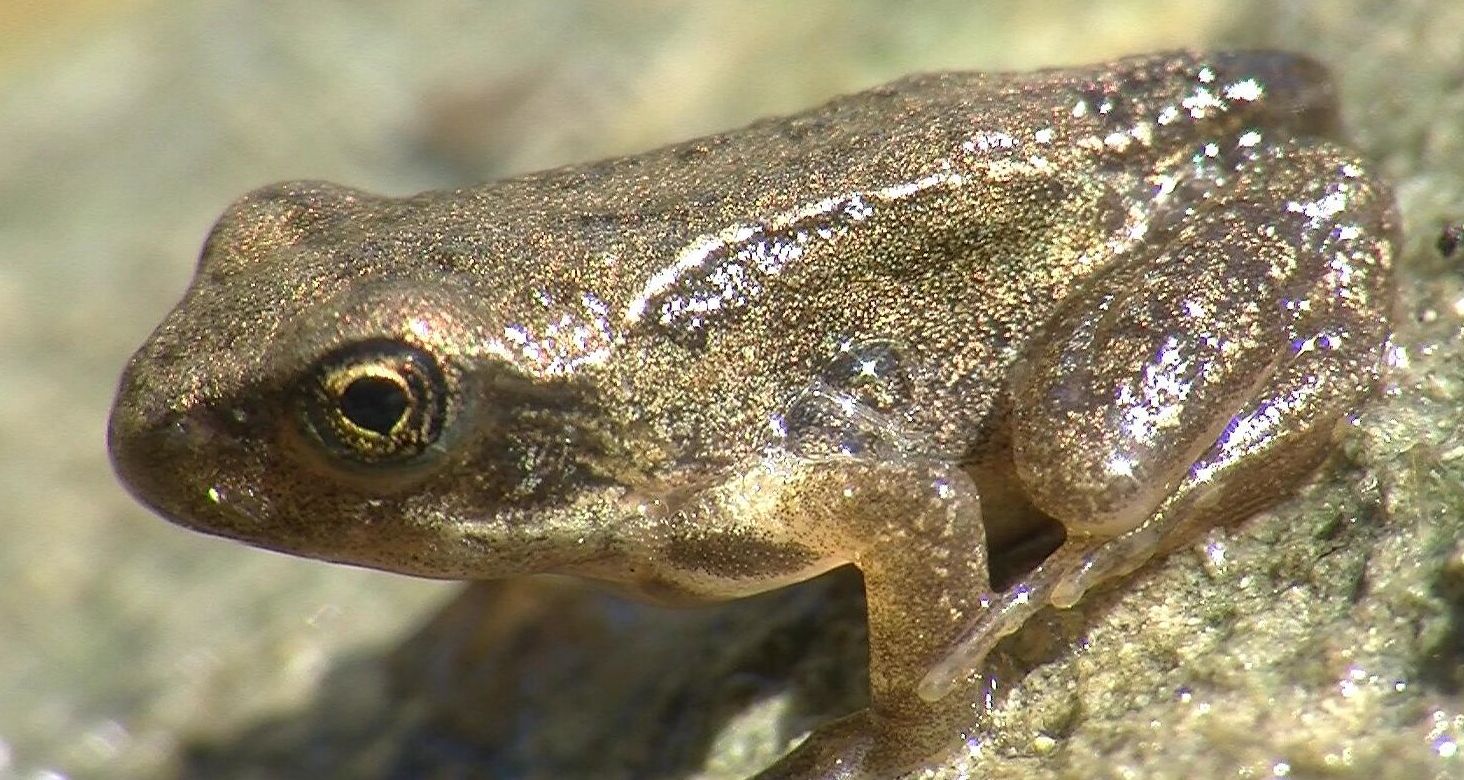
(375,402)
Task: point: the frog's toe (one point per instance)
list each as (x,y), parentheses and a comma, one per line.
(1006,613)
(1112,559)
(1061,580)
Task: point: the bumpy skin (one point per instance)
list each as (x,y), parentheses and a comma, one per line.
(1135,298)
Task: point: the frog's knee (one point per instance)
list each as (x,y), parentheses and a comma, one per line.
(1087,486)
(1299,89)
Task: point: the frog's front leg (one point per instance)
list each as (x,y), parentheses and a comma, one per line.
(1200,380)
(914,530)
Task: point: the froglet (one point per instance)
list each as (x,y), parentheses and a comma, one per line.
(1131,300)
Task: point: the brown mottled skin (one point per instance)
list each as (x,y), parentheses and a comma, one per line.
(1134,298)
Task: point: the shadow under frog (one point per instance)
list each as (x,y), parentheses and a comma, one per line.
(1135,299)
(516,679)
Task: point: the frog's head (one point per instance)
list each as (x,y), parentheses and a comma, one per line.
(341,381)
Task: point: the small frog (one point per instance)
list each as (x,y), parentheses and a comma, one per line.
(1133,299)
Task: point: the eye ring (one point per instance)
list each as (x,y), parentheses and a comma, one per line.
(375,402)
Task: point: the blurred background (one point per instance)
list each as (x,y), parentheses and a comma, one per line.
(127,126)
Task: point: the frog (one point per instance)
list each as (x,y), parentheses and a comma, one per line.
(902,331)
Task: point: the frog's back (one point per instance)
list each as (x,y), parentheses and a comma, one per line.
(943,215)
(938,219)
(887,221)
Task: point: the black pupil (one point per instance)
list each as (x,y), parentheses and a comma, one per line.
(374,403)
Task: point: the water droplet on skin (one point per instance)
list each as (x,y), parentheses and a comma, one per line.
(874,372)
(822,424)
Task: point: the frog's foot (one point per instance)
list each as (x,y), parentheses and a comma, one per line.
(868,746)
(1004,613)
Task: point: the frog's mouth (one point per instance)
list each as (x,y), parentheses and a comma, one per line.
(189,468)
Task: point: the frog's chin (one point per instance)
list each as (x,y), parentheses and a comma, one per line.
(439,544)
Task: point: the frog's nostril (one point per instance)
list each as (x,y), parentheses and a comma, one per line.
(147,437)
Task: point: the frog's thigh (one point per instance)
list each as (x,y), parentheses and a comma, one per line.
(1211,388)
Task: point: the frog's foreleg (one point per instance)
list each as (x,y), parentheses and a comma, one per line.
(914,530)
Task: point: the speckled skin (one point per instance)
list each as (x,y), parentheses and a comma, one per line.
(1135,298)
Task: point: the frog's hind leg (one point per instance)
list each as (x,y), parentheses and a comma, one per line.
(1190,387)
(1330,238)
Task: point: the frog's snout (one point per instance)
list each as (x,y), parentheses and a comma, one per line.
(152,443)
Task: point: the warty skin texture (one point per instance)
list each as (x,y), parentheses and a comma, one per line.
(1134,299)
